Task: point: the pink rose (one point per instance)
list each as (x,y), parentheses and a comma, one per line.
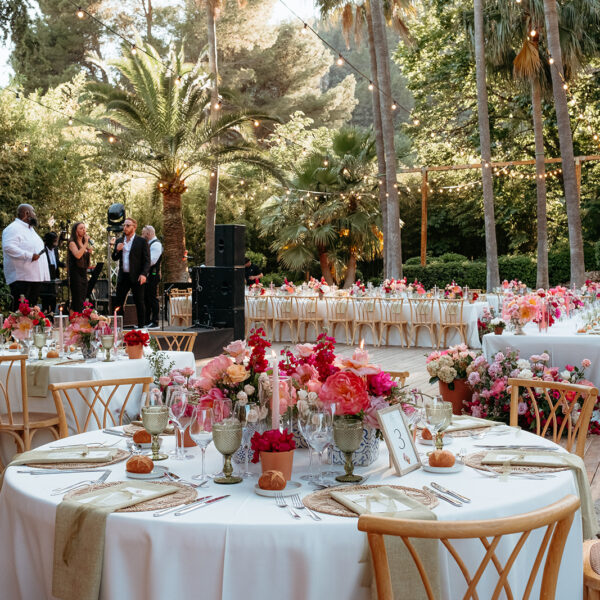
(522,409)
(347,390)
(314,385)
(216,367)
(201,383)
(305,350)
(359,363)
(164,381)
(377,403)
(188,371)
(305,373)
(179,380)
(586,362)
(209,398)
(237,349)
(569,368)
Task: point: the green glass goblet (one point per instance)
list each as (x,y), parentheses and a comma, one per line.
(347,435)
(39,341)
(108,341)
(155,419)
(227,437)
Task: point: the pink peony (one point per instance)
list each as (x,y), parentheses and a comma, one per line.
(209,398)
(347,390)
(359,363)
(304,373)
(237,349)
(305,350)
(381,384)
(314,385)
(216,367)
(377,403)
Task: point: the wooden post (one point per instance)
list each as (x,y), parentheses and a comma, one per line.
(578,175)
(423,216)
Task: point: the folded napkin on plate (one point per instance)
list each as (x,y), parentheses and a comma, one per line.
(38,376)
(74,454)
(79,536)
(389,502)
(540,458)
(462,422)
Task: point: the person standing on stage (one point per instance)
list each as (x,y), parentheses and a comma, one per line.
(133,254)
(80,250)
(151,290)
(25,263)
(48,290)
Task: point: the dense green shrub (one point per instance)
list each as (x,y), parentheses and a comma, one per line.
(438,273)
(257,258)
(522,268)
(449,257)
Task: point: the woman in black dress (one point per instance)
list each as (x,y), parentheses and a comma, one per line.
(79,261)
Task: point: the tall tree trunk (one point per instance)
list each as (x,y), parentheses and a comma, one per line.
(379,147)
(213,184)
(566,145)
(394,256)
(350,271)
(148,14)
(540,180)
(325,267)
(491,248)
(174,234)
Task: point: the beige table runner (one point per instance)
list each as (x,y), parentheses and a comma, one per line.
(38,377)
(540,458)
(79,536)
(406,580)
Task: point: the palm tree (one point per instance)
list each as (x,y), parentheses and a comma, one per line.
(161,126)
(341,223)
(491,247)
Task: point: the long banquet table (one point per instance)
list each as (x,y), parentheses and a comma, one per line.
(562,343)
(246,547)
(471,312)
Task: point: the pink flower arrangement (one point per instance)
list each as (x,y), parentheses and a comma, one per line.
(451,364)
(82,326)
(272,440)
(358,289)
(288,287)
(20,323)
(257,289)
(391,286)
(453,290)
(347,391)
(317,285)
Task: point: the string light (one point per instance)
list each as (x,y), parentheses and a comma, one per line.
(371,86)
(256,123)
(134,49)
(70,121)
(112,139)
(340,60)
(80,13)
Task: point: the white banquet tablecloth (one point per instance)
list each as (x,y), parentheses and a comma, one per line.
(561,342)
(471,312)
(246,547)
(85,371)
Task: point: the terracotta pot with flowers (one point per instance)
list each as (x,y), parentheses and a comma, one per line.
(135,340)
(276,451)
(498,325)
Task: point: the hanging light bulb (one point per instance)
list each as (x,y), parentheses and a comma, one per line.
(304,30)
(340,60)
(565,86)
(112,139)
(217,105)
(134,49)
(394,106)
(256,123)
(25,148)
(70,121)
(416,122)
(551,60)
(533,33)
(325,163)
(371,86)
(80,14)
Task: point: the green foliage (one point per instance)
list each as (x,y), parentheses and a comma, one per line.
(468,273)
(450,257)
(275,278)
(257,258)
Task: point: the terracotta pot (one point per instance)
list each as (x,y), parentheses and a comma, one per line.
(278,461)
(136,351)
(461,391)
(498,330)
(188,442)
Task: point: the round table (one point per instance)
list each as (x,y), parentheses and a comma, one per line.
(247,547)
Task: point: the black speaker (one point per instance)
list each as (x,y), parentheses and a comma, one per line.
(229,317)
(218,287)
(230,245)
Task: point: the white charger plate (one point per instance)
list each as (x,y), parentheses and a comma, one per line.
(456,468)
(292,487)
(156,473)
(447,440)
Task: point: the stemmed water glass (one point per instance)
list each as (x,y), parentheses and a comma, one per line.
(303,418)
(201,432)
(180,415)
(317,428)
(438,417)
(243,412)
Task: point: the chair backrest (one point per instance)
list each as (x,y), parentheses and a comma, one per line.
(392,310)
(6,410)
(307,308)
(85,398)
(284,308)
(177,341)
(178,293)
(451,311)
(337,309)
(561,399)
(399,376)
(257,307)
(421,310)
(365,309)
(556,518)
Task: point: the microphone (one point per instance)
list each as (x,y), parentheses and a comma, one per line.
(90,241)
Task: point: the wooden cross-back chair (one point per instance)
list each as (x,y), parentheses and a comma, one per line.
(392,317)
(337,314)
(308,314)
(176,341)
(366,314)
(90,401)
(180,307)
(451,317)
(399,376)
(285,312)
(591,570)
(22,424)
(563,406)
(259,314)
(556,519)
(421,315)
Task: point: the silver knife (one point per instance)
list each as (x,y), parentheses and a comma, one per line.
(60,471)
(516,447)
(166,511)
(115,432)
(442,497)
(441,488)
(195,506)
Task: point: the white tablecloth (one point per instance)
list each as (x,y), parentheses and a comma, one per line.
(246,547)
(561,342)
(87,371)
(471,312)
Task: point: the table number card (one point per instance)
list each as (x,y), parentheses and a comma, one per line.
(396,434)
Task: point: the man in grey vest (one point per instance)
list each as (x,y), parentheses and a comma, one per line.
(151,290)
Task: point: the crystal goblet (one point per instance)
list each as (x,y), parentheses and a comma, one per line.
(348,434)
(108,341)
(227,436)
(439,416)
(155,420)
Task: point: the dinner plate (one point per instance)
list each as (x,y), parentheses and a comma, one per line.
(458,466)
(447,440)
(292,487)
(156,473)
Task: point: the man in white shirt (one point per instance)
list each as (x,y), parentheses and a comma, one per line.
(25,263)
(151,289)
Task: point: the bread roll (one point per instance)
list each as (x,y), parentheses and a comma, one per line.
(272,480)
(14,346)
(139,464)
(441,458)
(52,354)
(142,437)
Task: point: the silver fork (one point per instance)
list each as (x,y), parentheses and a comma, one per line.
(281,503)
(299,506)
(101,479)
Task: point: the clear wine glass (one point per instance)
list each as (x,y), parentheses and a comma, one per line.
(318,430)
(201,432)
(177,403)
(244,414)
(302,422)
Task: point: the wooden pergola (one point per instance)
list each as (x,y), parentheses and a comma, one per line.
(424,171)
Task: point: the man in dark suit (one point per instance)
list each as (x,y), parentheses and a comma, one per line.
(48,289)
(133,255)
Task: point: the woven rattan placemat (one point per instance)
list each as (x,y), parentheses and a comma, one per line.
(185,495)
(121,455)
(474,460)
(322,501)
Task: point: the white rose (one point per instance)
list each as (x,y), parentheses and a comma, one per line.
(252,415)
(242,398)
(522,363)
(526,374)
(302,395)
(313,397)
(249,389)
(263,377)
(302,406)
(566,375)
